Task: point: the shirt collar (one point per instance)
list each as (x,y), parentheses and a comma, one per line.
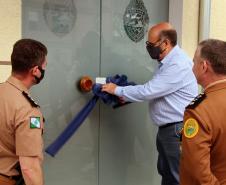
(210,86)
(17,83)
(168,57)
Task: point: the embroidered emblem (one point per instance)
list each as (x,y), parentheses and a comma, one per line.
(191,128)
(136,20)
(60,16)
(30,99)
(197,100)
(35,122)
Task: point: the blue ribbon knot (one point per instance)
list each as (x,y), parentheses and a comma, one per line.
(109,99)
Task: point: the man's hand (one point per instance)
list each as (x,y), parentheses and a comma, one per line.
(109,88)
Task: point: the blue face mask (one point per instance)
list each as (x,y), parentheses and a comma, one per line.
(38,79)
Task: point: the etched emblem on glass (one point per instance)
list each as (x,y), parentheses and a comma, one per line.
(136,20)
(60,16)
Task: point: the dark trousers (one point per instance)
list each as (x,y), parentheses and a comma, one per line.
(168,146)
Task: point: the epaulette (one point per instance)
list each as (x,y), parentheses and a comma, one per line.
(197,100)
(33,103)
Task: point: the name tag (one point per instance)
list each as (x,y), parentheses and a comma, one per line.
(100,80)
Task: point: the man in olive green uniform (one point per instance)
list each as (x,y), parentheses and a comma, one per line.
(21,123)
(203,160)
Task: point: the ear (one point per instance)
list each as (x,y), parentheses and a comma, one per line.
(167,41)
(34,71)
(205,66)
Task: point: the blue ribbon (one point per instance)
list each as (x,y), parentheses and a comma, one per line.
(71,128)
(53,148)
(110,99)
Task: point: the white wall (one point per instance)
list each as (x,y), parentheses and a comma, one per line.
(10,32)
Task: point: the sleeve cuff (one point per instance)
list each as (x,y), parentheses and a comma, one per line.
(118,91)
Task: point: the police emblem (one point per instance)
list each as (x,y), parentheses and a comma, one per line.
(60,16)
(136,20)
(191,128)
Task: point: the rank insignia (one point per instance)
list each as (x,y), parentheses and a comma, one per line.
(191,128)
(196,101)
(35,122)
(136,20)
(32,102)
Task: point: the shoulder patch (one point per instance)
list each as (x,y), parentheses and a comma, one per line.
(191,128)
(197,100)
(35,122)
(32,102)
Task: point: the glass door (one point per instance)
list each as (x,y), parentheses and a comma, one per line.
(128,154)
(70,30)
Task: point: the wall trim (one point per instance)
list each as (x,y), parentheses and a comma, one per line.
(176,17)
(204,19)
(5,63)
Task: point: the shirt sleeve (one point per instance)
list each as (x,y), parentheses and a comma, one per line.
(28,134)
(195,158)
(162,84)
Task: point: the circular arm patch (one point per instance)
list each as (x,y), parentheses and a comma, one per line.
(191,128)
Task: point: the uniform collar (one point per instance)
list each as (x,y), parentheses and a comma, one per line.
(17,84)
(217,85)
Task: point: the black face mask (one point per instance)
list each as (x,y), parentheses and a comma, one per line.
(38,79)
(154,51)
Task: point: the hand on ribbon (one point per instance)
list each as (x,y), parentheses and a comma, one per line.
(109,88)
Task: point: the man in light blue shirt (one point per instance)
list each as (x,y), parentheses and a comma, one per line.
(170,90)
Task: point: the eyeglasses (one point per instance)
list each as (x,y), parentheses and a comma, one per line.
(152,44)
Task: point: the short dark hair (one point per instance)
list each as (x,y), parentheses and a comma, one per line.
(171,35)
(214,51)
(26,54)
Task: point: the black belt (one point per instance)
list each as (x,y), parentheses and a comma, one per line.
(169,124)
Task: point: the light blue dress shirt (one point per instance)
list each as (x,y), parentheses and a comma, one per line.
(171,89)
